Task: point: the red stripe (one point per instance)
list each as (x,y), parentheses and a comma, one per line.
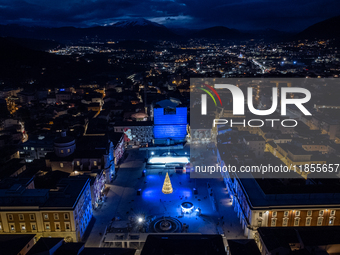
(213,90)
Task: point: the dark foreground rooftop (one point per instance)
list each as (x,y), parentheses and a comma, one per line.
(243,246)
(13,244)
(283,237)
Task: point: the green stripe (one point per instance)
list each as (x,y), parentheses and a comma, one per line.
(208,92)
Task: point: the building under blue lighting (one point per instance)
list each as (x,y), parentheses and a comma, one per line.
(170,125)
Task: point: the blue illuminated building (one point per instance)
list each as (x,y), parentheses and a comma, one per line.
(170,124)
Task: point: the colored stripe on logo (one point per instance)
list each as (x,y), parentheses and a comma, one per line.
(213,90)
(208,92)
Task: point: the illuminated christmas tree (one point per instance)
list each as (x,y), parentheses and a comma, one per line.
(167,187)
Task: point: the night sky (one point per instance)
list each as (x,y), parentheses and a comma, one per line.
(287,15)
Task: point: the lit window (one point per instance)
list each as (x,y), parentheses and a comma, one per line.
(22,226)
(46,216)
(61,164)
(62,151)
(309,213)
(274,214)
(32,149)
(297,213)
(0,226)
(273,223)
(308,221)
(296,221)
(285,222)
(47,226)
(68,150)
(331,221)
(67,226)
(78,163)
(320,219)
(57,225)
(95,163)
(12,227)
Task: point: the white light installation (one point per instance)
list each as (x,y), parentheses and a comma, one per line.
(185,210)
(166,160)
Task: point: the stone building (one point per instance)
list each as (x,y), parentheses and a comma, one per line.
(63,212)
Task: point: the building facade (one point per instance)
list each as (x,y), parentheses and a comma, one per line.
(63,213)
(136,133)
(256,144)
(170,125)
(257,205)
(36,147)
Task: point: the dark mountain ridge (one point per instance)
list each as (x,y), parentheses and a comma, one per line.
(142,29)
(327,29)
(127,30)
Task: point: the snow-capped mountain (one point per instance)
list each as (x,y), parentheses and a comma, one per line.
(136,22)
(142,29)
(132,29)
